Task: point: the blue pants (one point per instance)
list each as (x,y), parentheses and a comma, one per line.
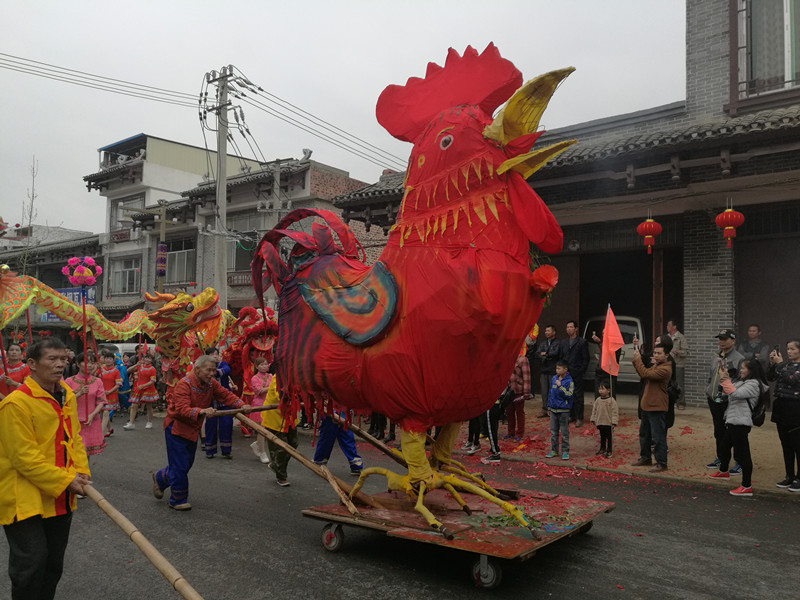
(223,426)
(653,431)
(559,423)
(330,432)
(180,458)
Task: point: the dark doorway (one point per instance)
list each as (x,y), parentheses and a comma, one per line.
(623,279)
(767,288)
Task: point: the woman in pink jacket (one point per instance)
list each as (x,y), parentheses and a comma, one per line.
(91,396)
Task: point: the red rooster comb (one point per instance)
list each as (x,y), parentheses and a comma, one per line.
(486,80)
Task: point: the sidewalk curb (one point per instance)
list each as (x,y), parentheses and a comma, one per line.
(642,475)
(722,485)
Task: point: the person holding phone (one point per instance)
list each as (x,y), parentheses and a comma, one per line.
(786,410)
(727,360)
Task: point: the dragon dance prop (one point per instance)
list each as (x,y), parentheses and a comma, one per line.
(17,293)
(182,327)
(428,335)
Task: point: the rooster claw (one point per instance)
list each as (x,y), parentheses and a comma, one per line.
(467,510)
(534,532)
(445,532)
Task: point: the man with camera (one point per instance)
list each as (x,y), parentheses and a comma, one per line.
(728,360)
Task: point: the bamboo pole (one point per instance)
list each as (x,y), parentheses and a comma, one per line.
(316,469)
(339,492)
(169,572)
(252,409)
(398,458)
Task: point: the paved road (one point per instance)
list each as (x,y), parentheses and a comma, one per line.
(245,538)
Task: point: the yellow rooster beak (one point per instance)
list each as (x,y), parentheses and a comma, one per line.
(520,116)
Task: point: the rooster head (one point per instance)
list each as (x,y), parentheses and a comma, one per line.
(463,159)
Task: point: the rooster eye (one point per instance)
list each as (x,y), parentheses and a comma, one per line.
(189,307)
(446,142)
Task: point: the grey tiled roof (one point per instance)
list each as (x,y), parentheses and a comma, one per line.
(62,245)
(241,179)
(390,184)
(766,120)
(588,151)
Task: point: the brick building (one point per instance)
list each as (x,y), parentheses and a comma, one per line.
(735,139)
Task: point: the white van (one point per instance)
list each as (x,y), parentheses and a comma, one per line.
(119,347)
(628,327)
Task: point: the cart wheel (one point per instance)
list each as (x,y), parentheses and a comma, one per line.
(586,528)
(332,537)
(486,574)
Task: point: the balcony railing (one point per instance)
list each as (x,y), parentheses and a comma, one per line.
(239,278)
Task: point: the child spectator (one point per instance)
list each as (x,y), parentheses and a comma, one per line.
(145,391)
(559,403)
(112,380)
(259,383)
(605,415)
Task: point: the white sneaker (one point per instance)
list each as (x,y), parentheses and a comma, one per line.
(129,426)
(264,458)
(149,425)
(256,451)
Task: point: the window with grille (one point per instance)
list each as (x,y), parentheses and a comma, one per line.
(768,46)
(181,260)
(118,214)
(125,275)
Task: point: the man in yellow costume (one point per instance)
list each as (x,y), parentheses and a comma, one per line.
(43,467)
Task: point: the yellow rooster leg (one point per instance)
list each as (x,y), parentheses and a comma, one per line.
(457,497)
(393,481)
(442,448)
(507,507)
(466,475)
(428,515)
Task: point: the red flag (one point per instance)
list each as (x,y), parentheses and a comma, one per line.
(612,341)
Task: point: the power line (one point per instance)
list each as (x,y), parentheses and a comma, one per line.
(305,114)
(104,88)
(344,140)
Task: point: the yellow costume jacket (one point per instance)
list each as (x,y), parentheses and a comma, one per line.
(276,420)
(41,451)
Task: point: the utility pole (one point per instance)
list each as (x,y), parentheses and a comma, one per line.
(220,240)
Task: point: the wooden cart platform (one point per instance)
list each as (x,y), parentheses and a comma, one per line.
(487,532)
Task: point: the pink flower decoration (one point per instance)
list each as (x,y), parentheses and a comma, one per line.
(98,270)
(81,273)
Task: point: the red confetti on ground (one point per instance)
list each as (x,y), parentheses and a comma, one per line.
(620,587)
(686,430)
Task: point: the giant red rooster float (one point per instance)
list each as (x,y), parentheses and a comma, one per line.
(427,335)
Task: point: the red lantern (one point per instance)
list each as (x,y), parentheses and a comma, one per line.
(729,220)
(648,230)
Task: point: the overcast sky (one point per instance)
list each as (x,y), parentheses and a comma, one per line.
(330,58)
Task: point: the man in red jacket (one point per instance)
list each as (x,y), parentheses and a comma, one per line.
(189,406)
